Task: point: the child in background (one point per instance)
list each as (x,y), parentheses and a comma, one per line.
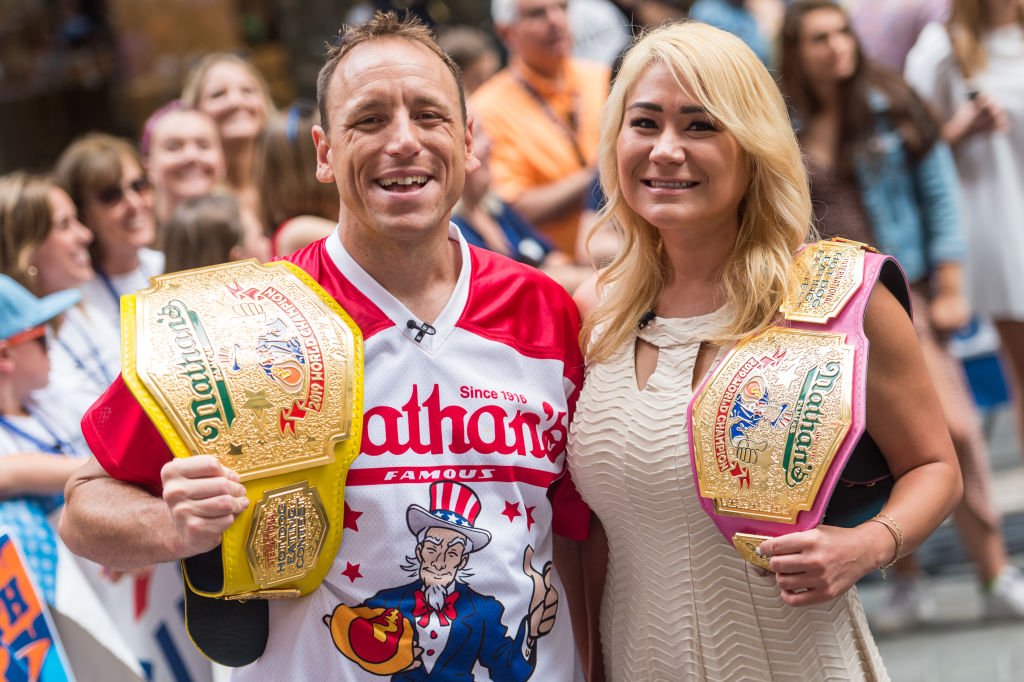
(209,230)
(35,459)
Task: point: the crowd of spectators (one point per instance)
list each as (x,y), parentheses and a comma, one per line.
(929,169)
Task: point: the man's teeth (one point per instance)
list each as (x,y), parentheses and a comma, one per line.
(665,184)
(410,180)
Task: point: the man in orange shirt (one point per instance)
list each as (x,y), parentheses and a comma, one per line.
(543,114)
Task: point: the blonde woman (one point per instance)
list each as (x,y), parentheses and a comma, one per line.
(970,72)
(705,181)
(234,93)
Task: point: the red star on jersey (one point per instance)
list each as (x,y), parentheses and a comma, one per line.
(529,517)
(352,571)
(351,518)
(511,511)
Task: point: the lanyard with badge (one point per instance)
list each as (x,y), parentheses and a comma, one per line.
(570,129)
(58,446)
(112,290)
(97,371)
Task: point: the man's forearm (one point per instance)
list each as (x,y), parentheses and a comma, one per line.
(116,524)
(554,200)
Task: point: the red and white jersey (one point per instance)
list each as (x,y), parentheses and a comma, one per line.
(484,402)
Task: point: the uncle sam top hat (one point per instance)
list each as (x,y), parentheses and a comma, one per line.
(452,505)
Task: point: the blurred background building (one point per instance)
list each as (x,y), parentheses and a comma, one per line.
(70,66)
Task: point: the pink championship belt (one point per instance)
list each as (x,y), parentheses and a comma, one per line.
(773,426)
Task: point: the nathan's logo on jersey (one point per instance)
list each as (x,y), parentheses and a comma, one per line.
(211,403)
(428,427)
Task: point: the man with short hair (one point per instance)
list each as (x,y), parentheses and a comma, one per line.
(542,114)
(471,368)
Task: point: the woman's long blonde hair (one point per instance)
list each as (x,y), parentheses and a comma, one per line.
(968,22)
(736,90)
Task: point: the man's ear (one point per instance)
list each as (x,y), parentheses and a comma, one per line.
(505,34)
(465,560)
(324,170)
(472,163)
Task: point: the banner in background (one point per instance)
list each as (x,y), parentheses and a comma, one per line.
(30,651)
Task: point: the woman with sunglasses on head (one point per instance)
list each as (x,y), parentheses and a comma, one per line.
(181,150)
(881,174)
(684,341)
(972,73)
(234,93)
(103,175)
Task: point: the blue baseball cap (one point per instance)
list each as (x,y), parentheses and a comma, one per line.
(20,310)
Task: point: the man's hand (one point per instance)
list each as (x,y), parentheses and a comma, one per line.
(544,603)
(204,498)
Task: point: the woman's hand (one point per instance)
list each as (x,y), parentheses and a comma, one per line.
(815,566)
(979,115)
(948,312)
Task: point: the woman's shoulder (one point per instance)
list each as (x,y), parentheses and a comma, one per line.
(933,49)
(587,295)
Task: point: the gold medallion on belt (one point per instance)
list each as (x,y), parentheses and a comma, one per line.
(258,366)
(830,273)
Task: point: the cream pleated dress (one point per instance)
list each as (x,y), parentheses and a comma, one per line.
(679,603)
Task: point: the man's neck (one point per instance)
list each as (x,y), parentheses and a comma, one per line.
(421,274)
(552,73)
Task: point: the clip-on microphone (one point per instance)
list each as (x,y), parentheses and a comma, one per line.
(422,328)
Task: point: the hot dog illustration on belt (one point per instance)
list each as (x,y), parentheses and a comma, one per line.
(437,627)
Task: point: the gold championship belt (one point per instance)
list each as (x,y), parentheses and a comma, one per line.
(260,367)
(774,425)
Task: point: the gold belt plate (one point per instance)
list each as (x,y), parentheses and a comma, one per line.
(830,273)
(770,420)
(248,364)
(287,533)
